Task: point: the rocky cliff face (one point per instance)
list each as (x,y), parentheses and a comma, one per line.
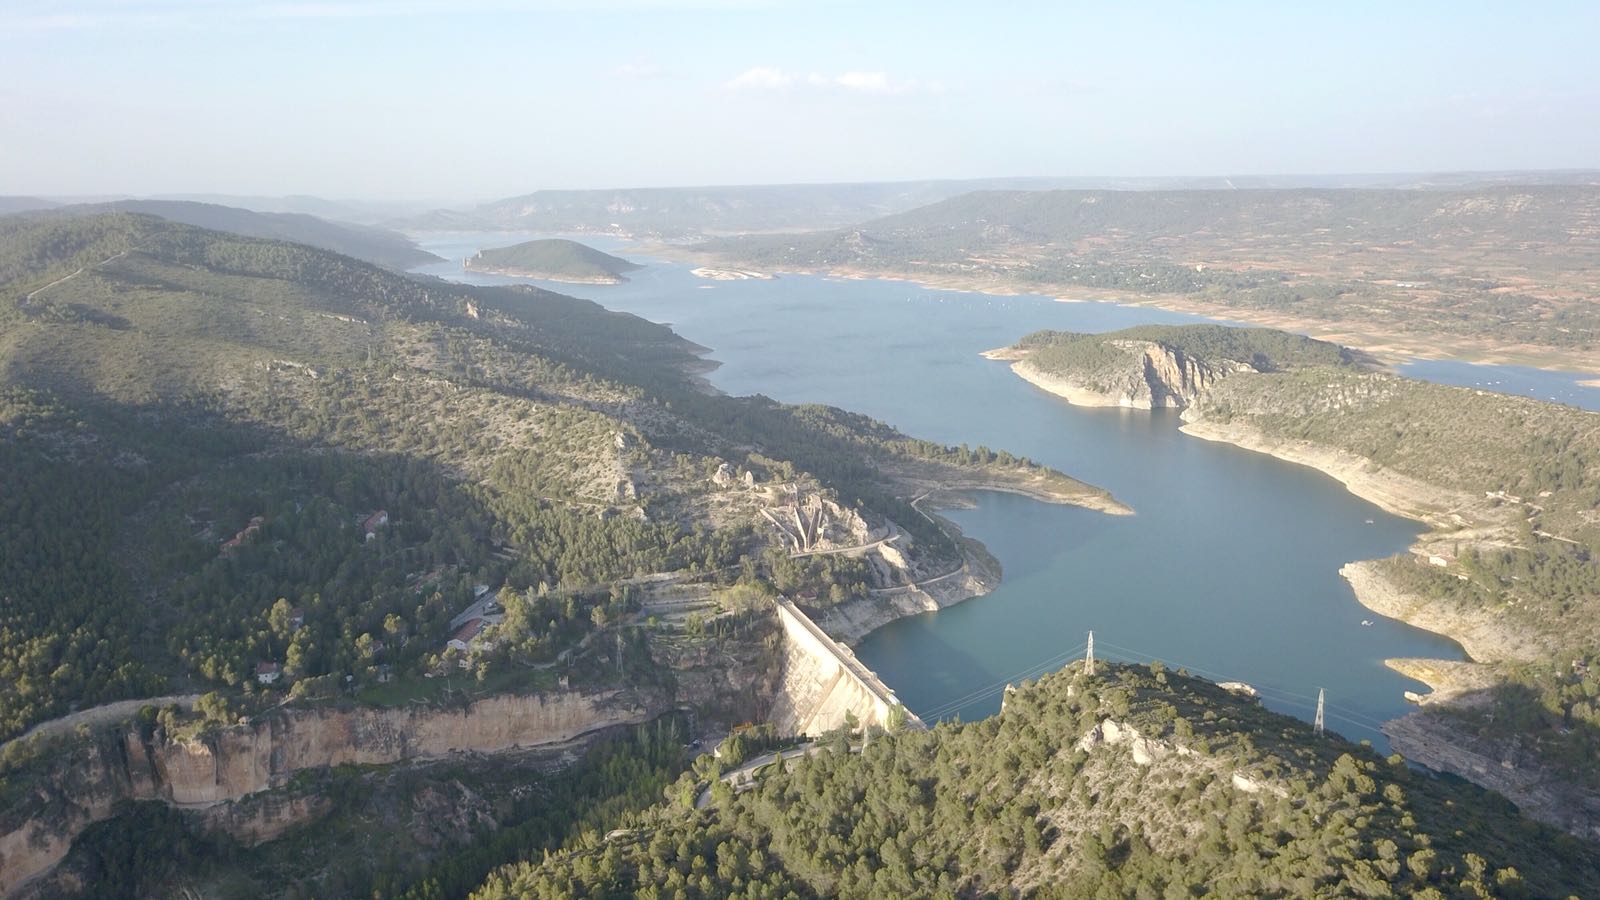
(88,782)
(1440,744)
(1154,377)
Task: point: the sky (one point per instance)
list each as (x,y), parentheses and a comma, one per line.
(454,101)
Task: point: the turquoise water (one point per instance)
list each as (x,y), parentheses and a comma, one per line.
(1229,568)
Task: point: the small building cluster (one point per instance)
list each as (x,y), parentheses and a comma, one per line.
(469,625)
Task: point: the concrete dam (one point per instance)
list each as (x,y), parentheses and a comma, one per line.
(823,682)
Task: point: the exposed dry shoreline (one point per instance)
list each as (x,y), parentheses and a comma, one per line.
(938,486)
(1065,389)
(542,276)
(1367,336)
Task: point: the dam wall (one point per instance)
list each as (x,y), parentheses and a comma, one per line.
(823,682)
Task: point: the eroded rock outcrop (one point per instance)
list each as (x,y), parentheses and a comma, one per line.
(1443,745)
(88,781)
(1155,376)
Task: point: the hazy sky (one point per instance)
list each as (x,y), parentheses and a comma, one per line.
(455,100)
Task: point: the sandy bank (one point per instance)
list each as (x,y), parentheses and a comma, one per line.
(481,269)
(938,481)
(716,274)
(1373,337)
(1069,390)
(1486,635)
(1395,493)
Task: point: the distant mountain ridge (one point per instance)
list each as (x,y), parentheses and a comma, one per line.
(9,205)
(676,212)
(363,242)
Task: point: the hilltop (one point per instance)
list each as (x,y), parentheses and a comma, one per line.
(1509,486)
(364,242)
(553,259)
(1152,366)
(1490,272)
(1132,782)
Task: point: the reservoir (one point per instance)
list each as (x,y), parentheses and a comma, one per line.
(1230,567)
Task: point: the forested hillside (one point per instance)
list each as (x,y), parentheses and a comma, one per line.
(364,242)
(1133,782)
(204,429)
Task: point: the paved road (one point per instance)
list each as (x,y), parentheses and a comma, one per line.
(101,715)
(746,773)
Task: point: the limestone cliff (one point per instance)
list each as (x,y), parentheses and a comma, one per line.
(1151,375)
(1442,744)
(86,783)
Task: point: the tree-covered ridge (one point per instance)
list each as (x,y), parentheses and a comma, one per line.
(1509,263)
(200,427)
(1263,349)
(553,258)
(364,242)
(1133,782)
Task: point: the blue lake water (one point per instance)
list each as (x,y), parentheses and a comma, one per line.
(1229,568)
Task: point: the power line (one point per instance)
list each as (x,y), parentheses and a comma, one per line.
(966,700)
(1323,710)
(997,686)
(1304,700)
(1270,692)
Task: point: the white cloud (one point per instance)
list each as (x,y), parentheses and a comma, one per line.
(863,82)
(760,78)
(639,68)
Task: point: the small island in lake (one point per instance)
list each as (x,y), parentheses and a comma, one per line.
(553,259)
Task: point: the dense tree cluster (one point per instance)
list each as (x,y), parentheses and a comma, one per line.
(1021,803)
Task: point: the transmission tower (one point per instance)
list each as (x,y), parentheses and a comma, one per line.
(1088,658)
(1317,725)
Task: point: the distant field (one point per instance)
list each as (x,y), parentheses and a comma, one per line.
(1507,273)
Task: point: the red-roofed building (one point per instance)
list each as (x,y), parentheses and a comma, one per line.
(267,672)
(470,636)
(372,523)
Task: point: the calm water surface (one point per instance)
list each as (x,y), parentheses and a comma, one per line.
(1230,567)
